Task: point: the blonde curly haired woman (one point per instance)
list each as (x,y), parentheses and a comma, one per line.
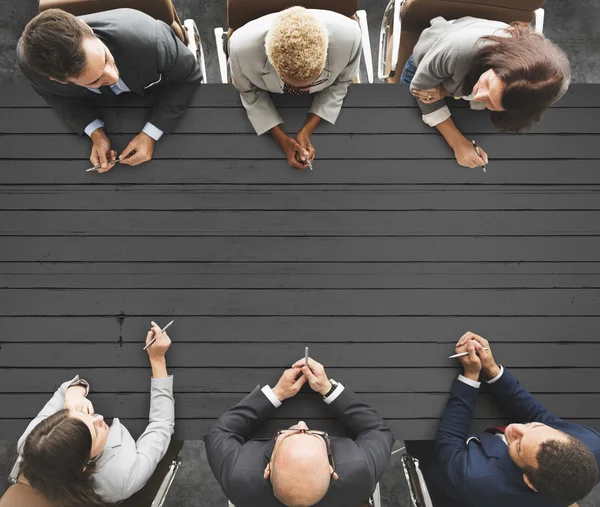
(297,51)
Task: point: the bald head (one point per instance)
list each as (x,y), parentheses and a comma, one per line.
(301,472)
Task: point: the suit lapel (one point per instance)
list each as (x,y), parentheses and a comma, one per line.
(113,442)
(494,447)
(271,79)
(269,448)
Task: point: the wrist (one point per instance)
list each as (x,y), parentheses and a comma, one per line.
(493,372)
(159,367)
(75,391)
(278,394)
(326,388)
(97,134)
(474,376)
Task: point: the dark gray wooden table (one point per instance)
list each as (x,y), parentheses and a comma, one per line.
(378,260)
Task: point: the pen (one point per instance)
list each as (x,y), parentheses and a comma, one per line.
(162,331)
(462,354)
(96,167)
(478,153)
(309,164)
(306,356)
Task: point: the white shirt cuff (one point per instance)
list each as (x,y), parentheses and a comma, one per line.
(153,131)
(497,376)
(95,125)
(476,106)
(469,382)
(268,392)
(437,117)
(333,396)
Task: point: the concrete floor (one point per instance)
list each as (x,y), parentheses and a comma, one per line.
(573,25)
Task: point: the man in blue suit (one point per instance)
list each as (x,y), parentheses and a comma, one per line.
(539,461)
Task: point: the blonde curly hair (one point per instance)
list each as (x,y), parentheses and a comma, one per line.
(296,45)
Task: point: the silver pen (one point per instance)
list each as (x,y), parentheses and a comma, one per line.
(309,164)
(162,331)
(462,354)
(306,356)
(478,153)
(96,167)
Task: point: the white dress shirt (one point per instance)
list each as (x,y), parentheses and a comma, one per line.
(120,87)
(268,392)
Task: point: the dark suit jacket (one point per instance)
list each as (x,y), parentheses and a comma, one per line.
(481,473)
(147,53)
(239,463)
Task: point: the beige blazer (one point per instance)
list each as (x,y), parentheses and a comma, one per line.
(125,465)
(254,77)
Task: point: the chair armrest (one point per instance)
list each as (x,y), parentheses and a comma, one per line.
(366,43)
(539,20)
(391,23)
(221,54)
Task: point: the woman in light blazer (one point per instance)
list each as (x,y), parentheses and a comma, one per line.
(73,458)
(508,69)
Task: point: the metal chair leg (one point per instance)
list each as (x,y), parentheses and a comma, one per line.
(161,495)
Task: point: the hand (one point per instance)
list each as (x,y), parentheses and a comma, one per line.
(159,348)
(316,376)
(101,152)
(303,139)
(436,94)
(76,401)
(466,155)
(289,384)
(139,150)
(296,155)
(488,364)
(472,362)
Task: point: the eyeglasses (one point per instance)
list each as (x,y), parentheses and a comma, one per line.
(316,83)
(321,434)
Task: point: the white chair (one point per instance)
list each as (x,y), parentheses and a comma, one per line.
(404,20)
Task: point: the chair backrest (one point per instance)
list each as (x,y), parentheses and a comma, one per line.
(416,14)
(163,10)
(240,12)
(22,495)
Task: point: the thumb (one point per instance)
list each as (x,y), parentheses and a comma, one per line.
(127,151)
(472,353)
(483,156)
(300,382)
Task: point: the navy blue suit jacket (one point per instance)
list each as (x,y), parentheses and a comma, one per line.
(480,473)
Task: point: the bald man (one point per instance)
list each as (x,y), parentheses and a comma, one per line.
(299,467)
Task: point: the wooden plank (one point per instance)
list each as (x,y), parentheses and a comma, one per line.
(328,172)
(281,355)
(298,197)
(194,429)
(241,249)
(249,302)
(310,405)
(300,223)
(298,275)
(328,146)
(364,120)
(238,380)
(20,94)
(127,329)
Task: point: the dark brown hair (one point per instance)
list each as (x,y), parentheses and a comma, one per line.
(53,44)
(55,461)
(536,73)
(567,470)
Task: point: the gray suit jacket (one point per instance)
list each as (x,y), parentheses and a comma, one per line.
(146,52)
(445,53)
(125,465)
(254,77)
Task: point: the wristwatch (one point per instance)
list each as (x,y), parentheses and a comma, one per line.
(334,385)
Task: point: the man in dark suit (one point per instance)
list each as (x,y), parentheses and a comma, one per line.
(70,60)
(299,467)
(540,461)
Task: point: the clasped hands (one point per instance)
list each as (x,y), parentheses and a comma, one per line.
(478,360)
(294,378)
(139,150)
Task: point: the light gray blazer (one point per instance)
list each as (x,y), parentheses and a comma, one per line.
(125,465)
(444,55)
(254,77)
